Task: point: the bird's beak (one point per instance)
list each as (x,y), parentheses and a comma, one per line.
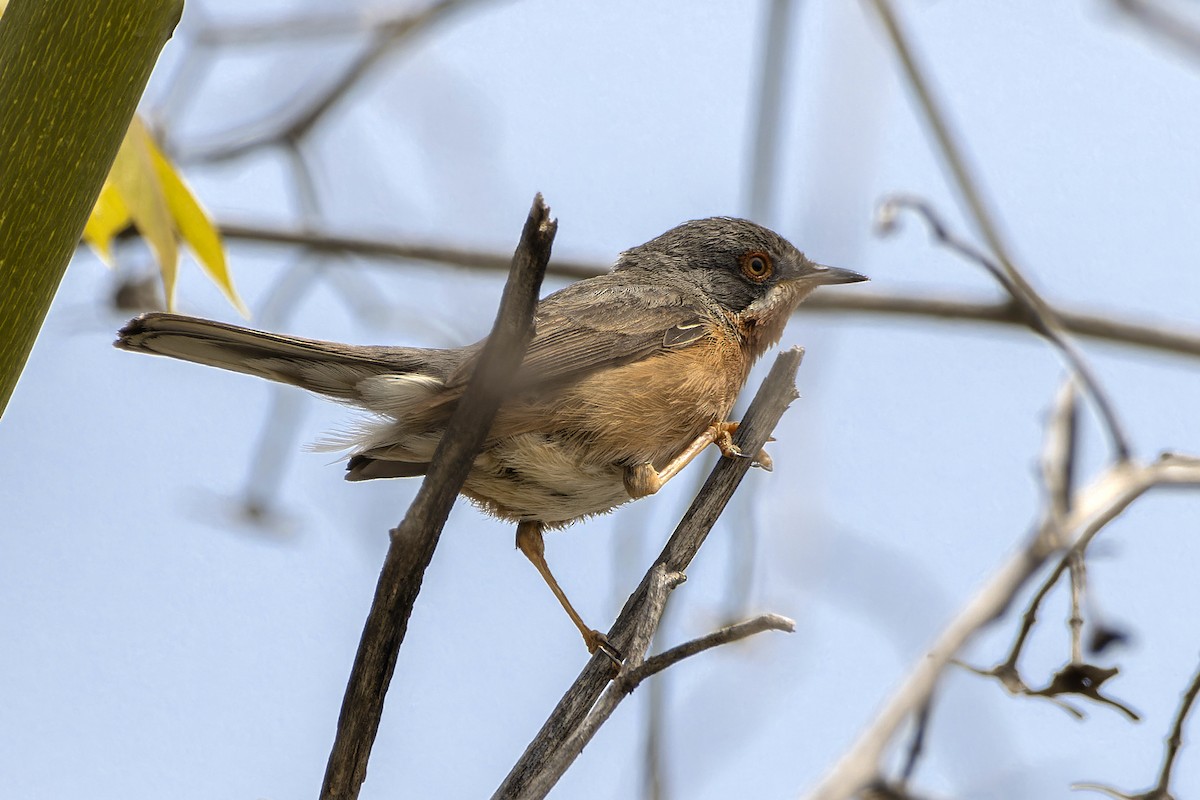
(822,275)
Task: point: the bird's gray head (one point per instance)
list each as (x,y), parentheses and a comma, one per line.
(738,264)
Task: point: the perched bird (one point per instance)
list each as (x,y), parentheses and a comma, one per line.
(628,377)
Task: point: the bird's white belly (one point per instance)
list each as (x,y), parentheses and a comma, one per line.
(540,477)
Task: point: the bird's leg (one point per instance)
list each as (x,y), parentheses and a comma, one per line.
(530,542)
(644,479)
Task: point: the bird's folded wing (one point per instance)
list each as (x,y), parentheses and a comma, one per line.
(598,324)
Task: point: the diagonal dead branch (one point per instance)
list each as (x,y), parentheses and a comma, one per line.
(634,673)
(1097,505)
(773,397)
(413,542)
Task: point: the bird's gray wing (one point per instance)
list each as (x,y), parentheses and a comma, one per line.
(602,322)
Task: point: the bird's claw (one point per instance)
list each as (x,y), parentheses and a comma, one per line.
(598,642)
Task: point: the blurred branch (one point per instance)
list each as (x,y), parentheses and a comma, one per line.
(916,747)
(1101,326)
(1039,315)
(414,540)
(1014,282)
(1058,476)
(1093,325)
(1162,789)
(1157,19)
(296,27)
(1094,507)
(545,753)
(298,119)
(369,247)
(764,156)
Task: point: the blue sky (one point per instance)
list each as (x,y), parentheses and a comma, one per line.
(155,644)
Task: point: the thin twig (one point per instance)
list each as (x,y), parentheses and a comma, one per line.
(299,119)
(1175,739)
(726,635)
(768,109)
(917,745)
(968,188)
(653,768)
(296,27)
(658,587)
(1078,571)
(1162,789)
(773,397)
(1101,502)
(413,542)
(1039,315)
(633,674)
(392,249)
(1172,338)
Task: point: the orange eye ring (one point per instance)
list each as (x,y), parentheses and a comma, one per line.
(756,265)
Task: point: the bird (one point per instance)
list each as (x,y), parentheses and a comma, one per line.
(628,377)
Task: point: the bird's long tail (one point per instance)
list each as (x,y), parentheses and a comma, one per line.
(355,373)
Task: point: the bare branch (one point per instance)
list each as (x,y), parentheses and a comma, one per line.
(299,119)
(1015,282)
(773,397)
(1162,789)
(1061,450)
(726,635)
(1102,326)
(632,675)
(659,585)
(1175,739)
(764,153)
(414,541)
(951,152)
(1162,22)
(297,27)
(917,745)
(1038,314)
(1097,505)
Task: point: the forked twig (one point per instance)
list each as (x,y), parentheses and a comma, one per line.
(1162,789)
(773,397)
(1036,312)
(968,188)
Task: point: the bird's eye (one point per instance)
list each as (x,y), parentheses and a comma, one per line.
(756,266)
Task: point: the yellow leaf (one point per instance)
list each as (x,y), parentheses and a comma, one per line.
(109,217)
(195,226)
(134,178)
(143,188)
